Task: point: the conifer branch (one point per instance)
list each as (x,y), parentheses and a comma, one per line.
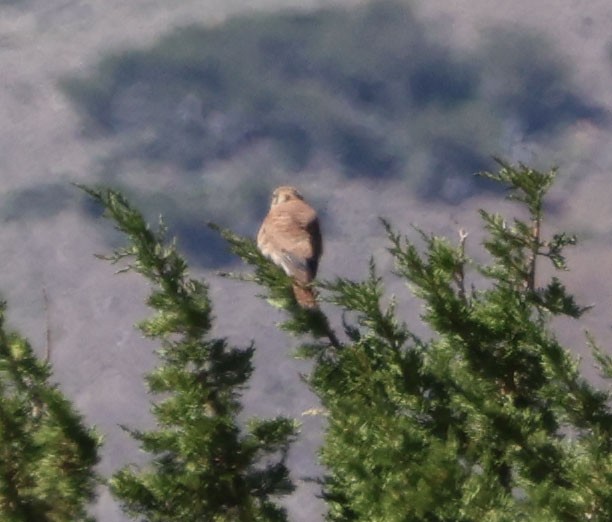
(205,466)
(47,455)
(487,401)
(279,287)
(446,428)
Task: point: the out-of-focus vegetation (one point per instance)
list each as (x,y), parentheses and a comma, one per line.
(38,202)
(371,91)
(368,87)
(47,454)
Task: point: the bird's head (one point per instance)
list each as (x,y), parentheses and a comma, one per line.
(282,194)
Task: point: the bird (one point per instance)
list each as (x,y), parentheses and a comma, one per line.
(290,236)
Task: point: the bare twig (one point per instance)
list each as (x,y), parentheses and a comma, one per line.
(535,250)
(460,275)
(331,335)
(46,307)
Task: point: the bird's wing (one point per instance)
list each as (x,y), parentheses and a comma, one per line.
(291,237)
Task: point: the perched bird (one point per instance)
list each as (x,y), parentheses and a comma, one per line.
(290,236)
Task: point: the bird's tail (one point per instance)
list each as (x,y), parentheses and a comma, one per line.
(305,295)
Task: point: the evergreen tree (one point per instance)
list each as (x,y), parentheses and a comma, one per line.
(47,455)
(204,464)
(490,419)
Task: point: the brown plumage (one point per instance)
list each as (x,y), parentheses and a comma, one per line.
(290,236)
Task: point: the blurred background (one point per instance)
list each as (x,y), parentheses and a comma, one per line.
(198,109)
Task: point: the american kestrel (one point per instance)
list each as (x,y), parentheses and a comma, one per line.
(290,236)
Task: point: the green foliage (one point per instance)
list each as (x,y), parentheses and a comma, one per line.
(490,419)
(204,465)
(280,292)
(47,455)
